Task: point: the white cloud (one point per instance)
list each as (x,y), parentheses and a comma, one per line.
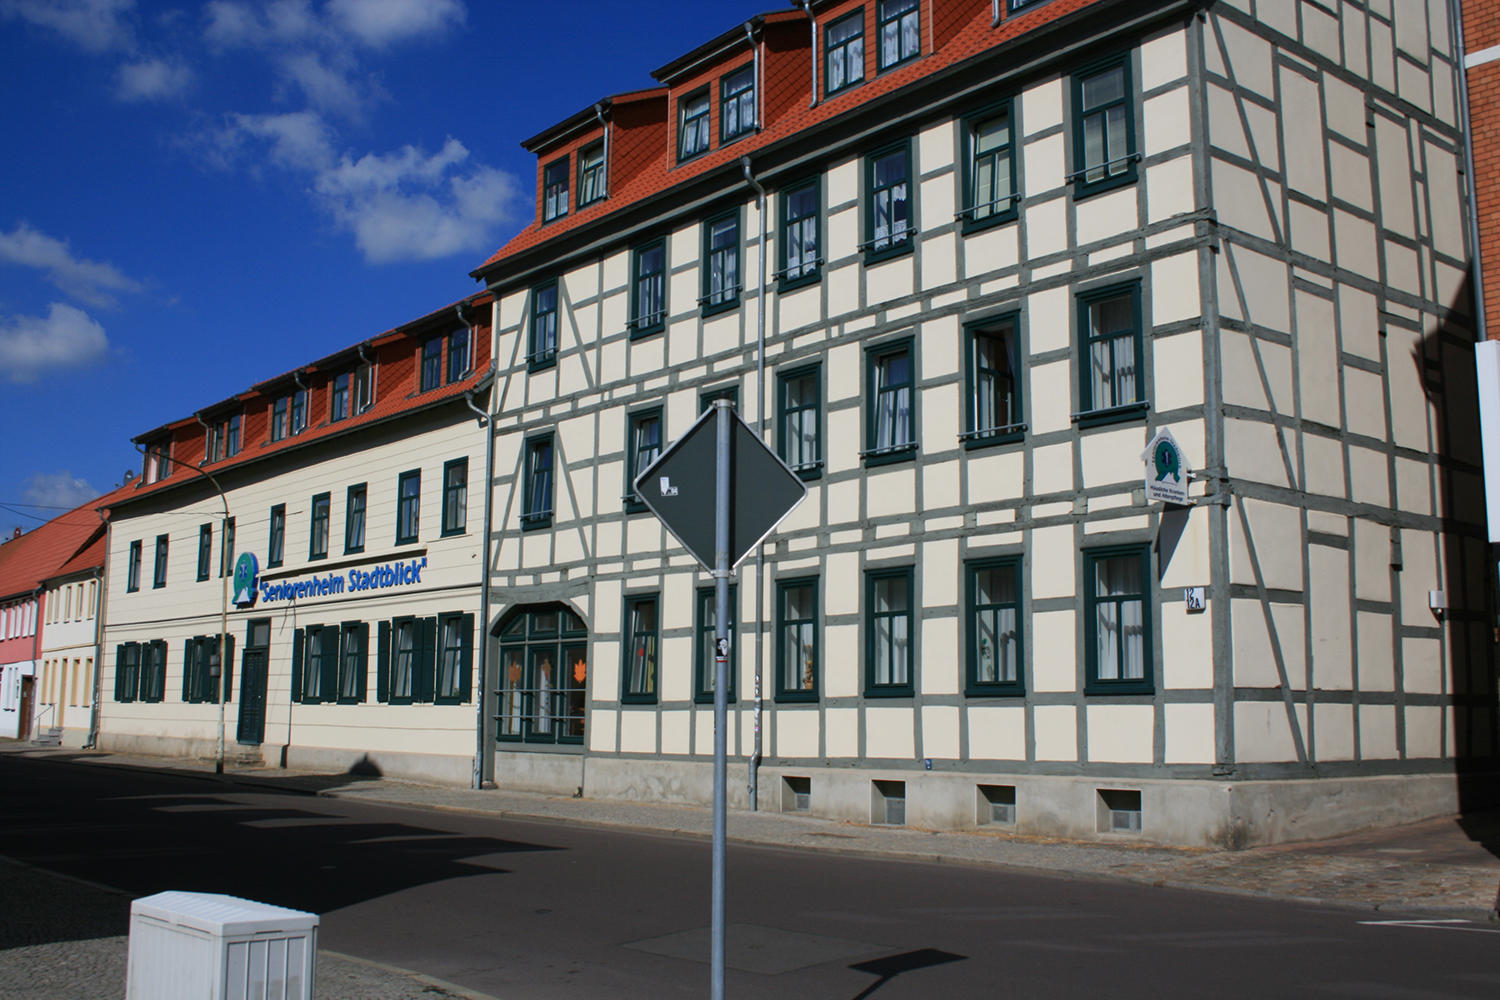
(234,23)
(404,205)
(152,80)
(31,346)
(61,490)
(379,23)
(408,205)
(94,25)
(299,140)
(327,83)
(87,280)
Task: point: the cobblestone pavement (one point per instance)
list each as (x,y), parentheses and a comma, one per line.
(1448,867)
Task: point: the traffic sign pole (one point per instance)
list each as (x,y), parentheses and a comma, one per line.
(722,418)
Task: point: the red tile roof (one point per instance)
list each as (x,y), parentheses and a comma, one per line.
(962,31)
(396,354)
(68,543)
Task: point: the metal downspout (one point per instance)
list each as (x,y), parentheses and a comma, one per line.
(807,9)
(604,124)
(481,681)
(755,72)
(93,738)
(760,414)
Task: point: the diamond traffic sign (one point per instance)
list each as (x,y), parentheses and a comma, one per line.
(680,488)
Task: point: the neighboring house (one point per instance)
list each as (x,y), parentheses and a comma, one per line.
(347,481)
(49,593)
(1000,246)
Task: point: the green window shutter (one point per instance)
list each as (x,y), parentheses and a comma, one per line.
(331,636)
(120,673)
(364,660)
(297,637)
(426,680)
(466,658)
(226,669)
(189,667)
(383,663)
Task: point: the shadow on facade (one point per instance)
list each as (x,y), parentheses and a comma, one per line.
(1444,361)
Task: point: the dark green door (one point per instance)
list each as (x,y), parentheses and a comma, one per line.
(253,667)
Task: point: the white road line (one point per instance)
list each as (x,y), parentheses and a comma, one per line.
(1445,924)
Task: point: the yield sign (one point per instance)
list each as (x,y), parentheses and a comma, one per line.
(680,487)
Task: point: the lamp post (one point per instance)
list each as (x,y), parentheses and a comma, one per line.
(223,598)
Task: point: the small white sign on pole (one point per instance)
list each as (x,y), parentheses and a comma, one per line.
(1166,470)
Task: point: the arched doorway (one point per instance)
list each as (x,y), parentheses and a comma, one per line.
(543,674)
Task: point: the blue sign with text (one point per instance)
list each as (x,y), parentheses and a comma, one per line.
(397,574)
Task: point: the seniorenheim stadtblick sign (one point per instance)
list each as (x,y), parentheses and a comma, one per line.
(1166,469)
(396,574)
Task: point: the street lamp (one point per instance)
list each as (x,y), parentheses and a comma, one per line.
(223,596)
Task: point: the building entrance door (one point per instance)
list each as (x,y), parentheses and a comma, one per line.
(28,703)
(253,667)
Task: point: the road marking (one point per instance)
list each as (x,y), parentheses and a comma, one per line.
(1443,924)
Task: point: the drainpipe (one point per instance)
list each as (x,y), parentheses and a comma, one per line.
(604,124)
(806,6)
(760,413)
(755,72)
(482,752)
(36,656)
(92,741)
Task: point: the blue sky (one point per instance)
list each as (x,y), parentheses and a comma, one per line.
(198,196)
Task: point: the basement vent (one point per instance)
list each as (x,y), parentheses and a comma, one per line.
(888,803)
(1119,810)
(796,794)
(996,805)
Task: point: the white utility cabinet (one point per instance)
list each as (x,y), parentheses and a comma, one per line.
(205,946)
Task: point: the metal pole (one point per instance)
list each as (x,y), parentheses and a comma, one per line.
(224,572)
(721,685)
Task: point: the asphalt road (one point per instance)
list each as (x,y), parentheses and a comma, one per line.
(536,911)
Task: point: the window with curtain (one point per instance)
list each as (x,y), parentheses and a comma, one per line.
(1117,619)
(844,52)
(797,640)
(692,125)
(889,210)
(1112,348)
(900,25)
(737,103)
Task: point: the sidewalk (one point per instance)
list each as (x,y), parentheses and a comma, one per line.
(1448,867)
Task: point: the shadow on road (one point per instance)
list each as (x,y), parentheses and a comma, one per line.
(148,831)
(889,967)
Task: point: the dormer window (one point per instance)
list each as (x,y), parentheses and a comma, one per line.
(844,53)
(338,397)
(737,104)
(590,174)
(223,439)
(692,125)
(432,363)
(900,32)
(288,415)
(158,464)
(555,190)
